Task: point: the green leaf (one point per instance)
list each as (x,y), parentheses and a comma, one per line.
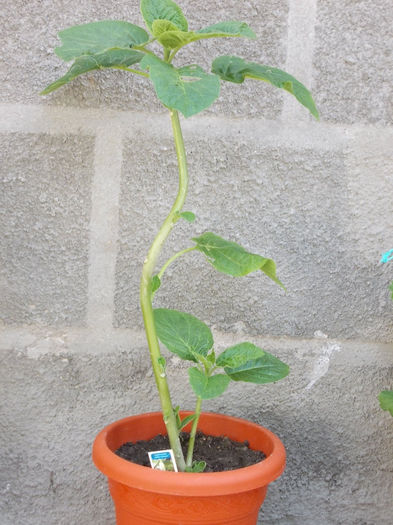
(188,216)
(183,334)
(391,288)
(235,69)
(173,38)
(197,466)
(230,258)
(155,283)
(386,400)
(207,387)
(211,357)
(162,26)
(176,411)
(188,89)
(238,355)
(111,58)
(230,28)
(163,10)
(186,421)
(265,369)
(162,365)
(205,361)
(176,39)
(96,37)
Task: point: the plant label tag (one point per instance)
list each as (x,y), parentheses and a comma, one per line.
(163,460)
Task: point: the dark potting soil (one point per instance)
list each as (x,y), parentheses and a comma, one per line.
(219,453)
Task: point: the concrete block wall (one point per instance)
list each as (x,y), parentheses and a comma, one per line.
(86,177)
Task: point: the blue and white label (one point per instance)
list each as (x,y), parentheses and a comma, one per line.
(163,460)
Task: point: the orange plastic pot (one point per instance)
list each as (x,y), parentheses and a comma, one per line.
(143,496)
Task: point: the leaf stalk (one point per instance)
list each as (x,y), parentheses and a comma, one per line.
(191,443)
(173,258)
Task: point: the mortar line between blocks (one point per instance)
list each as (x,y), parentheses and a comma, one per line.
(54,120)
(104,227)
(302,18)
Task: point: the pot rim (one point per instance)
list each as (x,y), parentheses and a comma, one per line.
(185,483)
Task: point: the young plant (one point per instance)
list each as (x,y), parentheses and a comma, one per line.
(188,90)
(386,396)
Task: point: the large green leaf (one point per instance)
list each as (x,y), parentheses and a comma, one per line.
(386,400)
(111,58)
(96,37)
(183,334)
(235,69)
(265,369)
(163,10)
(230,258)
(239,354)
(188,89)
(172,38)
(207,387)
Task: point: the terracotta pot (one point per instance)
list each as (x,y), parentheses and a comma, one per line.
(143,496)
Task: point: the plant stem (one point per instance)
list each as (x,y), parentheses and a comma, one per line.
(146,296)
(130,70)
(194,427)
(173,258)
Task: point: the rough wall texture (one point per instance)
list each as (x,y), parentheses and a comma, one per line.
(86,177)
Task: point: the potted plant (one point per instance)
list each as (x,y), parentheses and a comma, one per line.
(141,494)
(385,397)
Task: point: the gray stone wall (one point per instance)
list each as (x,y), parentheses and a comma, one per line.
(87,175)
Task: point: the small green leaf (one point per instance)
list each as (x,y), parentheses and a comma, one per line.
(230,28)
(235,69)
(386,400)
(162,366)
(230,258)
(175,39)
(391,288)
(212,357)
(162,26)
(188,216)
(188,89)
(176,411)
(197,466)
(111,58)
(265,369)
(186,421)
(155,283)
(183,334)
(207,387)
(205,361)
(238,355)
(96,37)
(162,362)
(163,10)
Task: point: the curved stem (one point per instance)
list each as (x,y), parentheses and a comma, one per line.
(146,296)
(172,55)
(194,427)
(173,258)
(166,54)
(124,68)
(143,49)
